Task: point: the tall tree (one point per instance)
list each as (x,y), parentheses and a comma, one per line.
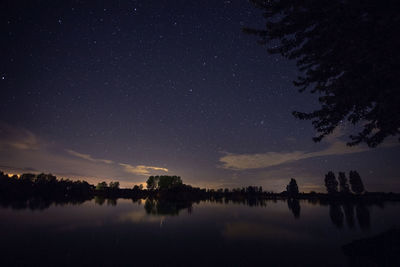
(348,53)
(114,185)
(331,183)
(344,187)
(101,186)
(168,182)
(356,183)
(152,183)
(292,188)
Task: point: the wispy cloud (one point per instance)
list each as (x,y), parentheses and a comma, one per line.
(21,150)
(245,161)
(17,138)
(88,157)
(269,159)
(141,169)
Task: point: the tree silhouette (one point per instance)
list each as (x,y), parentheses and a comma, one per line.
(292,188)
(151,183)
(168,182)
(355,181)
(348,54)
(163,182)
(101,186)
(344,187)
(29,177)
(114,185)
(331,183)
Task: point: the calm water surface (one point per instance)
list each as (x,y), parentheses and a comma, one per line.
(143,233)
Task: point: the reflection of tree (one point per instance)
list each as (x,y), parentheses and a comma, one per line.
(294,207)
(112,201)
(336,214)
(99,200)
(35,203)
(363,216)
(362,212)
(349,214)
(166,207)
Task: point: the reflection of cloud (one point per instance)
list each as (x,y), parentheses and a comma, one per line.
(138,216)
(141,169)
(17,138)
(88,157)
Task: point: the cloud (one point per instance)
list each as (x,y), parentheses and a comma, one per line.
(335,147)
(269,159)
(88,157)
(17,138)
(141,169)
(21,150)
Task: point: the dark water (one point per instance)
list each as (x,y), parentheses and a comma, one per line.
(140,233)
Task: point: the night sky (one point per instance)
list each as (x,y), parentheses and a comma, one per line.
(120,90)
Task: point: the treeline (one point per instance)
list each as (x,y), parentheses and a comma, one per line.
(46,185)
(49,187)
(38,192)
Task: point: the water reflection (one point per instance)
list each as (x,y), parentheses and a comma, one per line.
(226,232)
(37,203)
(294,207)
(336,214)
(348,209)
(164,207)
(363,216)
(340,212)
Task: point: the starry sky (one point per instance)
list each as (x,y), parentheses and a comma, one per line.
(120,90)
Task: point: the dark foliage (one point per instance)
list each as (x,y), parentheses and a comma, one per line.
(292,188)
(40,191)
(344,186)
(348,53)
(356,183)
(331,183)
(44,185)
(163,182)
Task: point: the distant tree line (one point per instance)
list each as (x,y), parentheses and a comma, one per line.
(41,189)
(42,184)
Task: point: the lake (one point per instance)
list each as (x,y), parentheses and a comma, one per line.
(150,233)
